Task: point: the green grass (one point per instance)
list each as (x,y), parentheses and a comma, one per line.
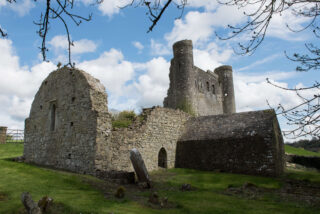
(300,151)
(76,194)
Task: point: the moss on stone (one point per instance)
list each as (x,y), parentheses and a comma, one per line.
(186,107)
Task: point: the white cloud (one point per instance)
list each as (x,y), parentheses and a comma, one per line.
(60,45)
(112,70)
(19,85)
(212,56)
(252,91)
(278,26)
(83,46)
(111,7)
(159,49)
(200,26)
(259,62)
(138,45)
(207,4)
(152,86)
(3,3)
(22,8)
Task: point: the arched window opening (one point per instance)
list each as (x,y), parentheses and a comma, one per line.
(213,89)
(162,158)
(52,117)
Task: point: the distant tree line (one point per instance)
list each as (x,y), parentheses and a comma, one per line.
(308,144)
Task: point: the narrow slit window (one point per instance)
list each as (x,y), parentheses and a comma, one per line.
(213,90)
(53,117)
(208,86)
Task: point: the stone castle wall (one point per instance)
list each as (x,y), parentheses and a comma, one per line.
(69,126)
(68,123)
(206,93)
(249,143)
(161,128)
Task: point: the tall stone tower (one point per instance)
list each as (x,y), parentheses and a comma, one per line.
(226,79)
(196,91)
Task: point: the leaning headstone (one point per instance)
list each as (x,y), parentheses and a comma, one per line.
(31,206)
(139,167)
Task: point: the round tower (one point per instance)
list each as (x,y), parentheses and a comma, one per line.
(181,73)
(226,81)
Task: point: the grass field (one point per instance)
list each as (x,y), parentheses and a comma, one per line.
(73,193)
(300,151)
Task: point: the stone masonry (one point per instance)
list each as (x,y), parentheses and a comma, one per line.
(202,93)
(247,142)
(69,126)
(68,123)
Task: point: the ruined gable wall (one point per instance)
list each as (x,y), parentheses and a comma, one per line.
(160,128)
(249,142)
(72,135)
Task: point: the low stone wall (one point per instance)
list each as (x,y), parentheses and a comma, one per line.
(312,162)
(249,142)
(3,134)
(161,128)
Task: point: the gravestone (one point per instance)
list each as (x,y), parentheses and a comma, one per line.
(139,167)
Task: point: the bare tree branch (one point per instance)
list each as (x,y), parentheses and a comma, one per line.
(304,117)
(156,9)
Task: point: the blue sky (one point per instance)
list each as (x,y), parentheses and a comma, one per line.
(133,64)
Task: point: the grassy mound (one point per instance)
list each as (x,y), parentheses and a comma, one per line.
(300,151)
(73,193)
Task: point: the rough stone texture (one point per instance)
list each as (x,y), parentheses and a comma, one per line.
(69,126)
(161,128)
(207,93)
(31,206)
(139,166)
(68,123)
(249,142)
(3,134)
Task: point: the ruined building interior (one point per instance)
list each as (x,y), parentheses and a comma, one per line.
(69,126)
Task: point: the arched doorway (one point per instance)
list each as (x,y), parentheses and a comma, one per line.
(162,158)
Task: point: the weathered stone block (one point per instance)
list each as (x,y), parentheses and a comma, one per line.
(139,166)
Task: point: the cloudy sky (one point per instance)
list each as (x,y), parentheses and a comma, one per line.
(133,64)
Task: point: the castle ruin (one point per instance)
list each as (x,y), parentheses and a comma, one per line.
(202,93)
(69,126)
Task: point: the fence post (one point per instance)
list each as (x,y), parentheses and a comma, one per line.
(3,134)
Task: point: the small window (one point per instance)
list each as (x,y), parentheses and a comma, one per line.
(52,117)
(208,86)
(213,90)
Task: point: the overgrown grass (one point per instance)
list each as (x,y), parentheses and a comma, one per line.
(300,151)
(124,119)
(75,195)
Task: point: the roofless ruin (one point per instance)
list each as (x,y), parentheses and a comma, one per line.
(69,126)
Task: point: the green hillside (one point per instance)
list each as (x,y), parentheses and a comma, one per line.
(300,151)
(212,192)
